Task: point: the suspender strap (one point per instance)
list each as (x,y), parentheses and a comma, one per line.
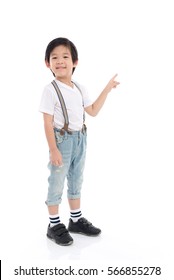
(62,103)
(82,100)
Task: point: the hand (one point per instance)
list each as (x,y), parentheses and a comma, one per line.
(56,158)
(112,83)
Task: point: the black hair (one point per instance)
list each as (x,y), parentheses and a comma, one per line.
(65,42)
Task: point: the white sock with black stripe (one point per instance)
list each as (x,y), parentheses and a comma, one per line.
(54,220)
(75,215)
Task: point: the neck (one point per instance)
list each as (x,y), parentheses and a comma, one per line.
(66,82)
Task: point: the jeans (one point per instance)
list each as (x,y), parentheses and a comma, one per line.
(73,150)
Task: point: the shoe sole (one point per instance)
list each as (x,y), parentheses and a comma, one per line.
(86,234)
(61,244)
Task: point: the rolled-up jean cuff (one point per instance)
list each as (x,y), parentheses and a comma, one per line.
(52,203)
(74,196)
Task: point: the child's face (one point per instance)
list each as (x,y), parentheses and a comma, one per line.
(61,62)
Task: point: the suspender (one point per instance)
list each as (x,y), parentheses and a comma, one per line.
(62,103)
(64,110)
(82,100)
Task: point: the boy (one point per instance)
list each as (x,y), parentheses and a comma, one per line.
(66,136)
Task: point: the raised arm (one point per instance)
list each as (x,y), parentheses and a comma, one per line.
(93,109)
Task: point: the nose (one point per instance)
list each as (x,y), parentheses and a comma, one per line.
(59,60)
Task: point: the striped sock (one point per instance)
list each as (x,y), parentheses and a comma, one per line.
(75,215)
(54,220)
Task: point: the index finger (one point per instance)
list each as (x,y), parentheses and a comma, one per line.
(113,78)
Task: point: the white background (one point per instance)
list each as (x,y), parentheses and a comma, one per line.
(129,169)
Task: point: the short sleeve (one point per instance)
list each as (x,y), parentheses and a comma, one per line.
(48,101)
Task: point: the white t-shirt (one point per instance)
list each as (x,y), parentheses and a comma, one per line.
(75,102)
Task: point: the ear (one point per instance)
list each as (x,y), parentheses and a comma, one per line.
(75,63)
(47,64)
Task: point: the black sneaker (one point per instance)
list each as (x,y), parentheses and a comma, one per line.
(59,234)
(84,227)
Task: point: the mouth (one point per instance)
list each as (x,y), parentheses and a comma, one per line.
(60,67)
